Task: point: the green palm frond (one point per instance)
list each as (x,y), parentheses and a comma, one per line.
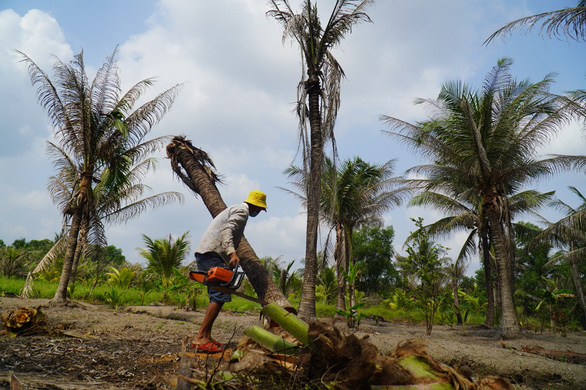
(567,22)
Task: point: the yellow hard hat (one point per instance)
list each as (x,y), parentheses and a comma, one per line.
(257,198)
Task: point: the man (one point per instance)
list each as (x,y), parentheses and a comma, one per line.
(217,248)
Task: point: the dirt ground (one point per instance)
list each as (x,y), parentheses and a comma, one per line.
(93,347)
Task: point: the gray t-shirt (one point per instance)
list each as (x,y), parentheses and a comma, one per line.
(224,233)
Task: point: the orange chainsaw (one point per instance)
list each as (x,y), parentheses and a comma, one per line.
(218,276)
(223,279)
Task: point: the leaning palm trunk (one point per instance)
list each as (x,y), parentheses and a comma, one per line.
(195,169)
(81,244)
(509,326)
(61,294)
(79,210)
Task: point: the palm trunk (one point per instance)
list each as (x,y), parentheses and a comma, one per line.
(198,175)
(79,210)
(510,245)
(307,305)
(61,294)
(456,301)
(81,243)
(341,267)
(490,306)
(509,326)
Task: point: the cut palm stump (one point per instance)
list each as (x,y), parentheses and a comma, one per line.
(321,353)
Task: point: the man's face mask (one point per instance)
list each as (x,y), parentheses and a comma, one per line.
(254,213)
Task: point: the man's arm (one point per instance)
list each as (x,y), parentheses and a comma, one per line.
(233,227)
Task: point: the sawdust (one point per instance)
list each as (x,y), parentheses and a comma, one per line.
(93,347)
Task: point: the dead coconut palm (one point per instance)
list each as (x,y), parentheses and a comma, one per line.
(196,169)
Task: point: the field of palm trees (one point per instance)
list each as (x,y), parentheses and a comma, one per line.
(479,146)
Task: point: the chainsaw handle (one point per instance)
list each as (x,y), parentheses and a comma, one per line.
(236,279)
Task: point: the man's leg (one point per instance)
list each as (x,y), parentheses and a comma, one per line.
(217,300)
(205,330)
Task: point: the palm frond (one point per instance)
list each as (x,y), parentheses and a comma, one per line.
(567,22)
(135,209)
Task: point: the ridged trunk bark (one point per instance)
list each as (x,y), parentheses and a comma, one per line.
(199,177)
(78,209)
(509,325)
(61,293)
(459,320)
(307,305)
(490,306)
(81,243)
(341,267)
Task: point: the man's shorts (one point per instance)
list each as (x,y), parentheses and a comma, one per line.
(204,263)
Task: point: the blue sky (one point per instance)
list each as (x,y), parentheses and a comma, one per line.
(238,96)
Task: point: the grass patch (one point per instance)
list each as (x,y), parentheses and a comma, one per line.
(11,285)
(104,294)
(41,288)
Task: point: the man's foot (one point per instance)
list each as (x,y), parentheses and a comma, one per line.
(209,347)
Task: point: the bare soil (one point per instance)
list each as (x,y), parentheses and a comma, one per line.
(94,347)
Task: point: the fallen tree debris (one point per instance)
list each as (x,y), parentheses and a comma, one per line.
(565,356)
(24,320)
(343,361)
(271,341)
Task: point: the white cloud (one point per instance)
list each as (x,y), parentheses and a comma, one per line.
(278,236)
(571,140)
(37,35)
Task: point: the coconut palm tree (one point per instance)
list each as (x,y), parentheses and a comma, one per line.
(318,101)
(353,194)
(197,171)
(486,142)
(97,127)
(163,255)
(570,22)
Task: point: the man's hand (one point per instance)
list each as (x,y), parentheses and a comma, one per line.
(234,260)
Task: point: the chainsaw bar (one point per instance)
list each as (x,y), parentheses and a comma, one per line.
(238,294)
